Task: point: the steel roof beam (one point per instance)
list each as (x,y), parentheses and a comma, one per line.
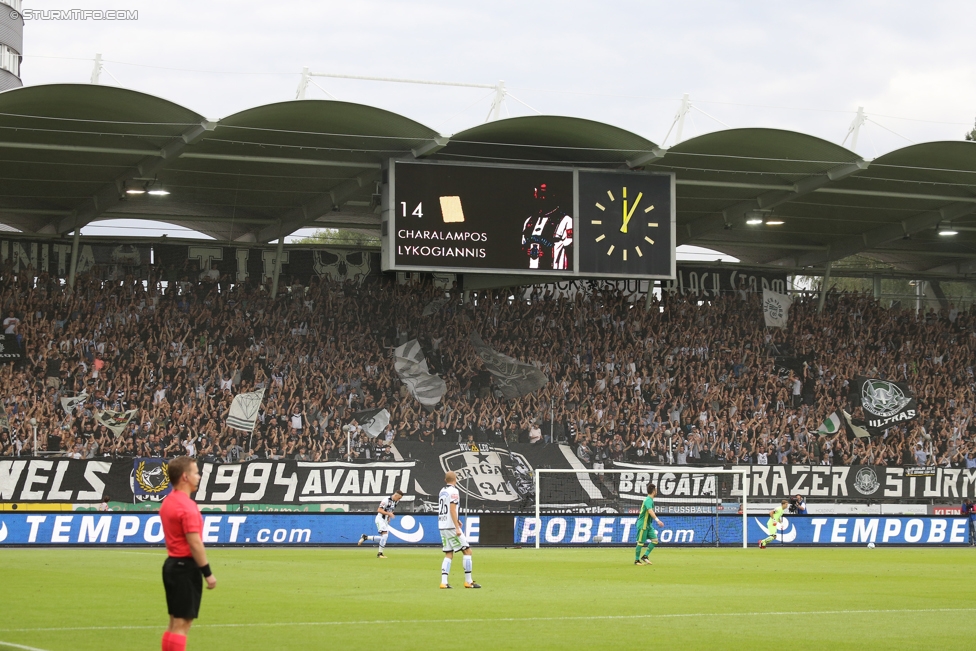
(40,146)
(277,160)
(766,201)
(307,213)
(430,147)
(962,268)
(111,193)
(855,244)
(655,154)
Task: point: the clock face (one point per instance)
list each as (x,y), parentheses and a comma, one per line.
(625,224)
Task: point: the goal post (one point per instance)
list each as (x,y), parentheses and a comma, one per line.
(579,506)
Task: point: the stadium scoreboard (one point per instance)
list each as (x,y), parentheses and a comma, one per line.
(538,220)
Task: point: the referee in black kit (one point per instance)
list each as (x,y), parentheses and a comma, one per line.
(186,566)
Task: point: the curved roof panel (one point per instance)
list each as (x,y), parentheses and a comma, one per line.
(547,139)
(61,144)
(69,152)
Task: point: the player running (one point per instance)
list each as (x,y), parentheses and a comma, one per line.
(383,516)
(451,537)
(646,534)
(775,517)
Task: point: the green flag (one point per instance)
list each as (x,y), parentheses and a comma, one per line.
(830,426)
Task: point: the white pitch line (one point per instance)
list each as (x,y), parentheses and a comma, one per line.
(488,620)
(19,646)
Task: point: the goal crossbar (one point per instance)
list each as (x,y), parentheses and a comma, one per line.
(644,475)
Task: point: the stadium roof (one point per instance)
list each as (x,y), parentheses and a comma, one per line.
(69,152)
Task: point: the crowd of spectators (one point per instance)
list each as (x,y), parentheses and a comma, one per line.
(672,380)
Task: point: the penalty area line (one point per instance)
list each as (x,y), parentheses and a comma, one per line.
(488,620)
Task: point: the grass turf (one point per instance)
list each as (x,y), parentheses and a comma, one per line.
(78,599)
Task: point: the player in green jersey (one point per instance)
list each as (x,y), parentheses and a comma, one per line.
(775,516)
(646,534)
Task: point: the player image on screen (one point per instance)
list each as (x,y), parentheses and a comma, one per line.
(647,538)
(775,517)
(384,513)
(547,234)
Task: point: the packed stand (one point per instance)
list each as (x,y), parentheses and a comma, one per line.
(679,381)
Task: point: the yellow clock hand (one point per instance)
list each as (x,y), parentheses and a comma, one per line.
(628,214)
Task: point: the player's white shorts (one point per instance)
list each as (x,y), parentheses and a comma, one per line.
(382,526)
(453,542)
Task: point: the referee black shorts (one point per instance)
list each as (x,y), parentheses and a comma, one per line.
(184,586)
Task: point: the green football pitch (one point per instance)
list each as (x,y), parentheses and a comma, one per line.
(77,599)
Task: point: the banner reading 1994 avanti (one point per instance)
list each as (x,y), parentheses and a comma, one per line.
(491,477)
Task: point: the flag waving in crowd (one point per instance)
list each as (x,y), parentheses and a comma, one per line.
(69,403)
(512,377)
(885,403)
(243,414)
(855,427)
(411,366)
(372,421)
(831,426)
(115,420)
(776,309)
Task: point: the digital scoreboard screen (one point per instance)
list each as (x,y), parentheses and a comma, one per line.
(560,221)
(469,217)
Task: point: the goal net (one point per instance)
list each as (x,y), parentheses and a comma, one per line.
(699,506)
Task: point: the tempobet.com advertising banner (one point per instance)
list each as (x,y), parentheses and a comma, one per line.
(727,530)
(284,529)
(860,530)
(259,529)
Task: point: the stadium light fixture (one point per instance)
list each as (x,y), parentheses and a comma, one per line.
(158,191)
(946,229)
(754,218)
(774,221)
(135,189)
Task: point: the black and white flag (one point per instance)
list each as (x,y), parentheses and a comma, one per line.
(885,403)
(411,366)
(435,305)
(512,377)
(243,414)
(855,427)
(69,403)
(115,420)
(776,309)
(372,421)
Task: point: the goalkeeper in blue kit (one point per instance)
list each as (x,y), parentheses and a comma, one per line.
(646,534)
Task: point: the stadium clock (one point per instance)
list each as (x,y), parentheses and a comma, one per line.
(625,223)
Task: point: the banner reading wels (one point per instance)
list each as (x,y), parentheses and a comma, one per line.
(491,477)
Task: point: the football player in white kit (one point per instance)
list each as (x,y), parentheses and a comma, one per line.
(383,516)
(548,232)
(451,536)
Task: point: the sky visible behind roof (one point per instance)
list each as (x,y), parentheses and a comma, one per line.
(800,66)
